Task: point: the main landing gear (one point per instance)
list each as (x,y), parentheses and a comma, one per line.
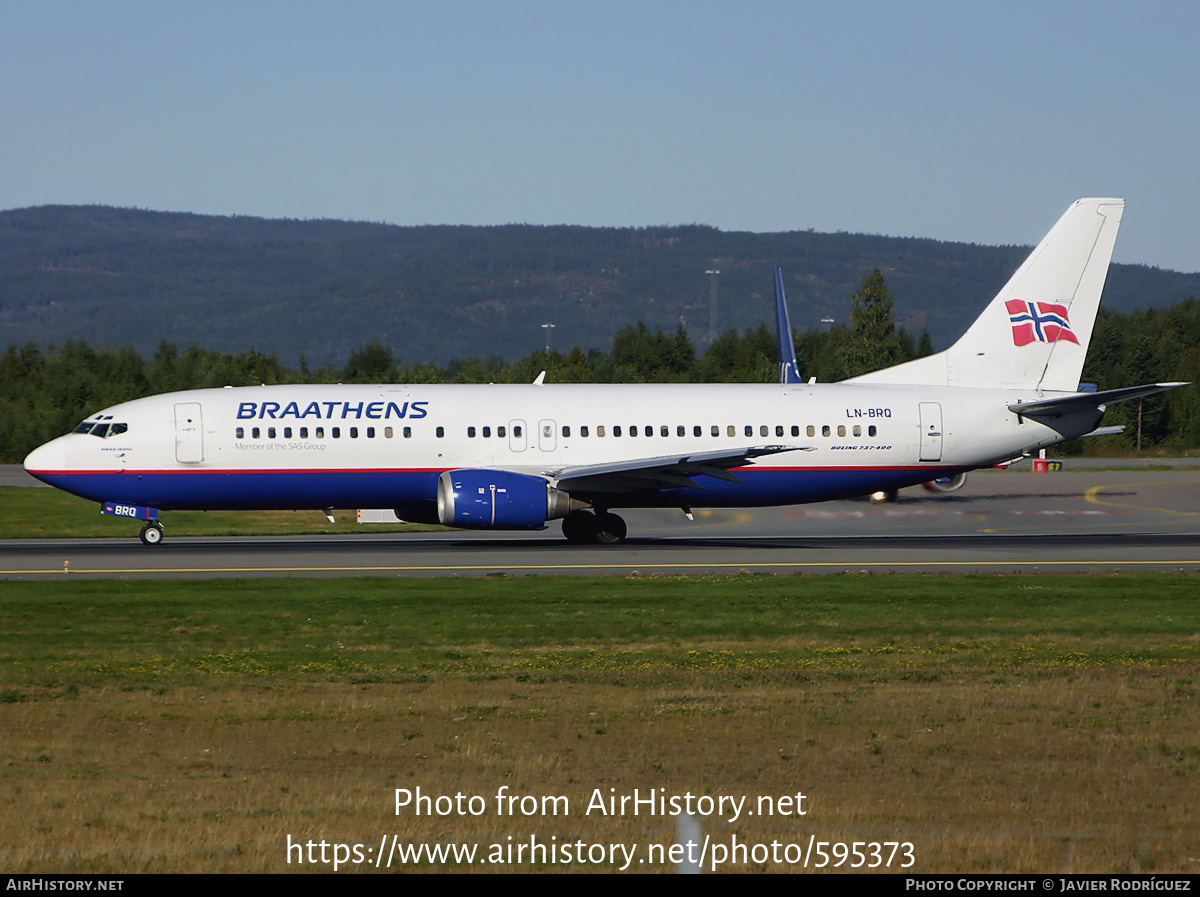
(152,533)
(601,528)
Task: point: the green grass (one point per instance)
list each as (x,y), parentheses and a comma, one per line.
(93,632)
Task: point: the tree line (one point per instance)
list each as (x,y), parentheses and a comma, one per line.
(46,392)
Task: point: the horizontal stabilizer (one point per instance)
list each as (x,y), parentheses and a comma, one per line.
(1083,400)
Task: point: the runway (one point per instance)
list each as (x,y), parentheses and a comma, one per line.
(1000,522)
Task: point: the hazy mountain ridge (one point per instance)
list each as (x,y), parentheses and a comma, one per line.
(323,287)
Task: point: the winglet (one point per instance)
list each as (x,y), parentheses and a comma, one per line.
(789,371)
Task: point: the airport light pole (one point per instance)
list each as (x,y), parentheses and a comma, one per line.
(712,304)
(548,328)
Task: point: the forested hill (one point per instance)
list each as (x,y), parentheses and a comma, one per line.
(322,288)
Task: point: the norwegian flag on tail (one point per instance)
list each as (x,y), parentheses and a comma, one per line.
(1039,322)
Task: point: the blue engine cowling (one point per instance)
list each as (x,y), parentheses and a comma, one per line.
(497,499)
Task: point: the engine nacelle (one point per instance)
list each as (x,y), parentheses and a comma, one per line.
(497,499)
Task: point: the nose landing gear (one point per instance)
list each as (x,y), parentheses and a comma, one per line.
(152,533)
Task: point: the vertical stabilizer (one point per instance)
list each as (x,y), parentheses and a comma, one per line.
(1034,334)
(789,371)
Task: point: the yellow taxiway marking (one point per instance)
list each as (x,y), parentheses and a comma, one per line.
(1093,496)
(452,568)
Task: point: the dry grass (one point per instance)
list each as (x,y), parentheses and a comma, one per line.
(1087,772)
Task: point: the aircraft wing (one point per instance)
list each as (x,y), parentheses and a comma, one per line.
(664,471)
(1085,400)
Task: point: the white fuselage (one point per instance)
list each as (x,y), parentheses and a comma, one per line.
(386,445)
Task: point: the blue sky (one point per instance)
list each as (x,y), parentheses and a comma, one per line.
(964,121)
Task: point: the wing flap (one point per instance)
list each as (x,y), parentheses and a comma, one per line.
(664,471)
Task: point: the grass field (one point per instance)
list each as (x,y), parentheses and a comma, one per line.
(1018,723)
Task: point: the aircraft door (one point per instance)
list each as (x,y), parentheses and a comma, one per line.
(189,433)
(516,435)
(931,431)
(547,440)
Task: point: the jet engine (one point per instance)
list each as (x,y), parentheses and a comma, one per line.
(497,499)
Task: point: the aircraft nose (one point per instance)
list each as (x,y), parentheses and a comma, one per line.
(49,458)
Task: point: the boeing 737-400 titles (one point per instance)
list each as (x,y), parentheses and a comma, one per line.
(517,457)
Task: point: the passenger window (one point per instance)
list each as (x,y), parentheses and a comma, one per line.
(487,432)
(517,432)
(795,430)
(716,431)
(354,432)
(779,429)
(440,432)
(240,433)
(500,431)
(825,430)
(696,431)
(583,431)
(287,432)
(256,433)
(680,430)
(270,432)
(650,430)
(470,432)
(320,432)
(841,429)
(387,432)
(762,430)
(810,430)
(566,431)
(600,430)
(749,430)
(664,430)
(871,431)
(335,432)
(857,430)
(633,430)
(370,432)
(731,430)
(616,431)
(408,432)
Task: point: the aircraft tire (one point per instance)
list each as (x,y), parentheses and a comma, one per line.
(610,529)
(579,527)
(947,484)
(151,534)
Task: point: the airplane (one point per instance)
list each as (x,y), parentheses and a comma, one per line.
(515,457)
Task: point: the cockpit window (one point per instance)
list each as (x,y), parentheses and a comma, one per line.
(101,429)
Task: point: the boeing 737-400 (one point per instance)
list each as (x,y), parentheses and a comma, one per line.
(517,457)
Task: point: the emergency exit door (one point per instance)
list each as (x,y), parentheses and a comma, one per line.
(931,431)
(189,432)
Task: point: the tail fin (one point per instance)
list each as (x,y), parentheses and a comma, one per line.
(789,371)
(1034,334)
